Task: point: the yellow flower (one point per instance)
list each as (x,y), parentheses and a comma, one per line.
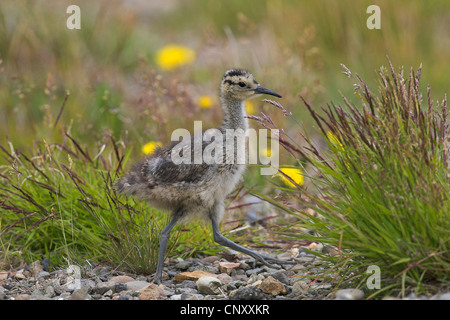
(205,102)
(294,173)
(172,56)
(150,147)
(333,139)
(249,107)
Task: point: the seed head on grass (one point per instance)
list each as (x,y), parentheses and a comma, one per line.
(383,184)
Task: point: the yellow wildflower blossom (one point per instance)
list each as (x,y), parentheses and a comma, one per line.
(205,102)
(172,56)
(249,107)
(150,147)
(294,173)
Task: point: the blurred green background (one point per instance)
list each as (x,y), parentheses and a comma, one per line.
(117,88)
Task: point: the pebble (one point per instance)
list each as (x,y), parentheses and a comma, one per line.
(43,274)
(224,278)
(121,279)
(254,271)
(38,295)
(228,267)
(211,259)
(208,285)
(444,296)
(35,268)
(183,265)
(119,287)
(282,277)
(247,293)
(194,275)
(78,294)
(272,286)
(49,291)
(151,292)
(67,296)
(206,268)
(102,287)
(210,278)
(349,294)
(299,287)
(136,285)
(19,276)
(23,296)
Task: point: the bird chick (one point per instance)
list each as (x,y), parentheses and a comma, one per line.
(198,190)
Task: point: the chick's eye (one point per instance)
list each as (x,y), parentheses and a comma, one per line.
(241,84)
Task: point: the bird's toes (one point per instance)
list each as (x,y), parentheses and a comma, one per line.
(273,266)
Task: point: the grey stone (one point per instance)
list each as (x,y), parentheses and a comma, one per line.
(120,287)
(45,264)
(8,285)
(168,291)
(3,292)
(102,287)
(349,294)
(240,277)
(247,293)
(305,258)
(183,265)
(445,296)
(180,290)
(37,295)
(237,283)
(79,294)
(208,285)
(136,285)
(43,275)
(206,268)
(64,296)
(282,277)
(108,293)
(211,259)
(272,286)
(187,284)
(88,283)
(299,286)
(35,268)
(49,291)
(254,271)
(269,269)
(191,296)
(224,278)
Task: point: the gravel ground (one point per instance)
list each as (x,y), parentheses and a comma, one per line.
(211,278)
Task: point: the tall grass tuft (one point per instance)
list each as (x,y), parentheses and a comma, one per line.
(57,201)
(383,185)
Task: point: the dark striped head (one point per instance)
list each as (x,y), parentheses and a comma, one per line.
(241,85)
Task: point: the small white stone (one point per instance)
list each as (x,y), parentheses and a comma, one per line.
(349,294)
(208,285)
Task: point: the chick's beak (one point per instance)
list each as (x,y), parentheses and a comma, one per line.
(262,90)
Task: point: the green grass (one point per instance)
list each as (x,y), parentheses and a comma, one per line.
(117,90)
(383,185)
(58,202)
